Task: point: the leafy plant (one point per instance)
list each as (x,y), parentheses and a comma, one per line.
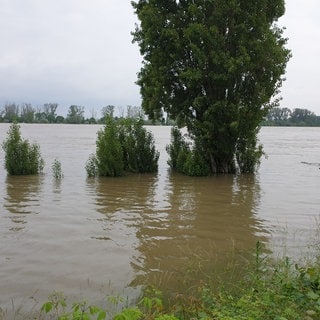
(80,310)
(56,304)
(123,147)
(140,155)
(151,302)
(129,314)
(109,152)
(56,169)
(92,166)
(185,158)
(21,157)
(269,290)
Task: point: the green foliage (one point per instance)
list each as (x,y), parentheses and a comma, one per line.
(151,308)
(92,166)
(269,291)
(56,169)
(123,146)
(213,67)
(21,157)
(184,158)
(129,314)
(151,302)
(248,152)
(178,148)
(109,153)
(57,306)
(140,155)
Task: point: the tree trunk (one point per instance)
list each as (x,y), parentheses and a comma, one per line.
(222,165)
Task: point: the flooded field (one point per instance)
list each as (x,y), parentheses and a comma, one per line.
(94,237)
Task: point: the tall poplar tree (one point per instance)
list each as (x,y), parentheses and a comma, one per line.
(216,67)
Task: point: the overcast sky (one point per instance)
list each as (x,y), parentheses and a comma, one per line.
(80,52)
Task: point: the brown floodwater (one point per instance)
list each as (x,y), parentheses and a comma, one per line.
(94,237)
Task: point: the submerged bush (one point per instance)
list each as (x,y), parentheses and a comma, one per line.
(122,147)
(109,154)
(184,157)
(92,166)
(138,146)
(56,169)
(21,157)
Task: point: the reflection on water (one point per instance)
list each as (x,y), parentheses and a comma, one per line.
(174,222)
(121,202)
(203,225)
(57,187)
(22,198)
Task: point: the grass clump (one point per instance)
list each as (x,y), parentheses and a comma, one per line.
(280,291)
(21,157)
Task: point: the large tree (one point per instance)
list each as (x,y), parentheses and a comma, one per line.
(214,66)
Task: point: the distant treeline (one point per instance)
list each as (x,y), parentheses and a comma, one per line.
(296,117)
(47,113)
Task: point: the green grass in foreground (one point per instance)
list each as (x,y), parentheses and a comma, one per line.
(281,291)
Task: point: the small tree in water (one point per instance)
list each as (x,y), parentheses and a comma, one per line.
(21,157)
(122,147)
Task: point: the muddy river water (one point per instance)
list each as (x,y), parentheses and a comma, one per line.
(94,237)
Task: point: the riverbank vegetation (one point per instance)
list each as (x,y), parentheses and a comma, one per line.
(267,290)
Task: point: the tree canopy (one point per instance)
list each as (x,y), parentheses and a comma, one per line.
(214,66)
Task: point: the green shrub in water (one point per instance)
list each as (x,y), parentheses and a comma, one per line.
(122,147)
(56,169)
(109,154)
(92,166)
(138,146)
(185,158)
(21,157)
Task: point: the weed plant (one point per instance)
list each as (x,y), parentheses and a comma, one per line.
(21,157)
(268,291)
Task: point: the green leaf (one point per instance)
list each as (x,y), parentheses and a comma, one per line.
(102,315)
(47,307)
(312,295)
